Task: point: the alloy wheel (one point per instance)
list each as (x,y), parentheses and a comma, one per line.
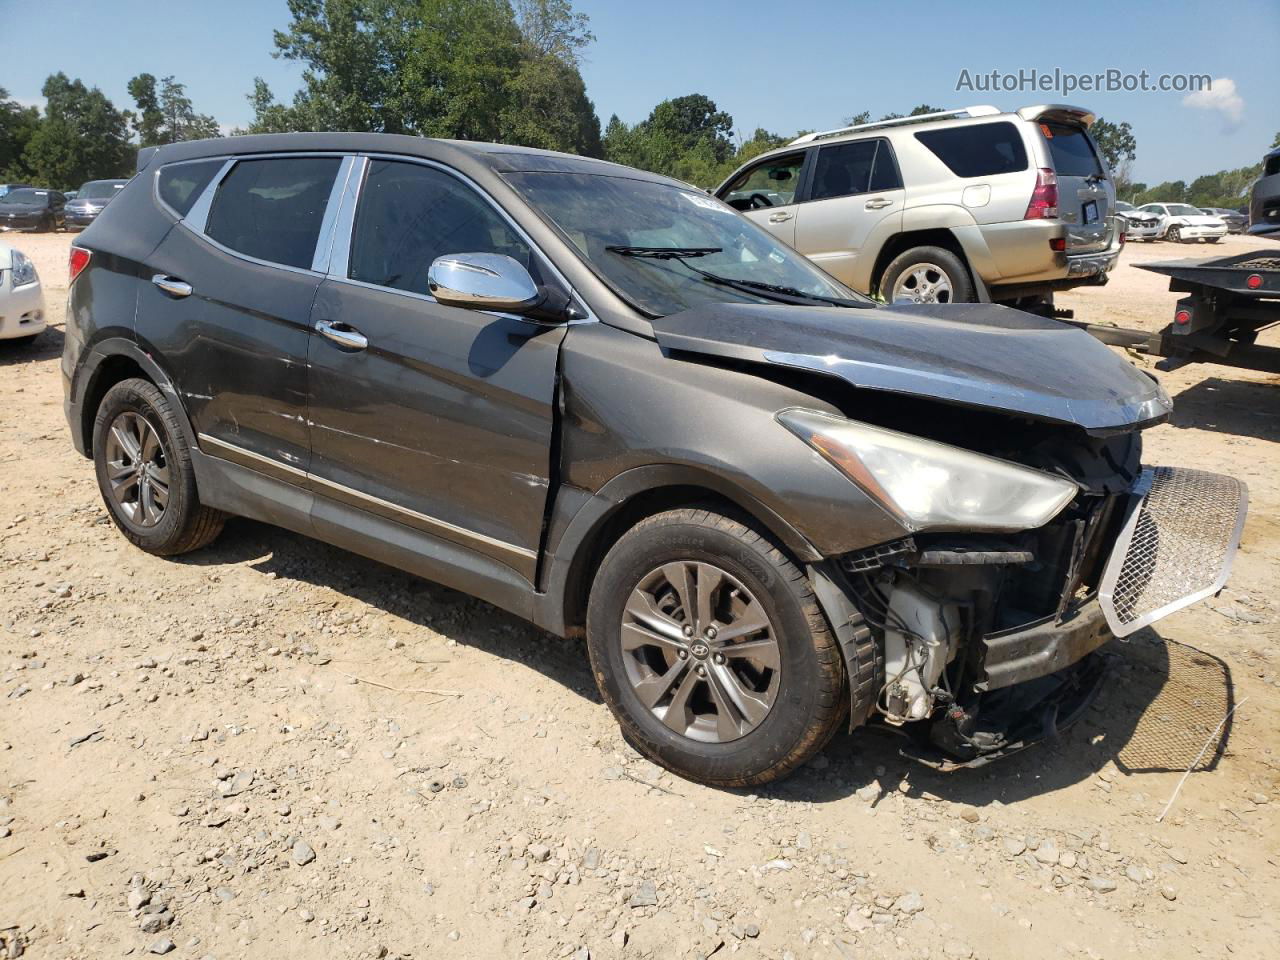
(700,652)
(923,283)
(137,470)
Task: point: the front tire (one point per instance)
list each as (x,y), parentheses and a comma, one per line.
(145,475)
(708,645)
(1174,234)
(927,275)
(1213,239)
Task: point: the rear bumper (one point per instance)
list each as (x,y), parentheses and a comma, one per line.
(1043,647)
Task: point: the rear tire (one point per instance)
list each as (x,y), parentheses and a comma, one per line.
(931,274)
(145,475)
(689,727)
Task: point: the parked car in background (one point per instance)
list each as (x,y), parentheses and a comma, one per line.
(70,194)
(32,208)
(1236,221)
(1183,223)
(605,401)
(961,205)
(90,200)
(6,187)
(1138,225)
(1264,198)
(21,297)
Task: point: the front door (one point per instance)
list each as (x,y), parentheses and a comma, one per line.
(768,193)
(436,417)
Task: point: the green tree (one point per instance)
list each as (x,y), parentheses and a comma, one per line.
(549,108)
(181,122)
(148,122)
(1276,141)
(82,136)
(1171,191)
(551,28)
(466,69)
(166,115)
(18,125)
(864,116)
(269,116)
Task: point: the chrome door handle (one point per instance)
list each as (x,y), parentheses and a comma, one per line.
(877,203)
(172,285)
(342,334)
(780,217)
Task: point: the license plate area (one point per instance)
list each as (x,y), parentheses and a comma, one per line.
(1090,211)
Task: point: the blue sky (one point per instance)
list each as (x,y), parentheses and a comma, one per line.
(802,64)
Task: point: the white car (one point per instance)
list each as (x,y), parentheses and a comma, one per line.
(1139,225)
(1180,222)
(21,298)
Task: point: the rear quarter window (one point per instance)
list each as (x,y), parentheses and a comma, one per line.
(273,209)
(180,184)
(977,150)
(1073,155)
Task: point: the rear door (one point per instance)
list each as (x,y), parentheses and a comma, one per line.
(228,307)
(436,417)
(1085,193)
(768,193)
(855,192)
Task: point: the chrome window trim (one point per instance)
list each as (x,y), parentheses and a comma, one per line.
(340,247)
(340,259)
(198,215)
(205,440)
(324,241)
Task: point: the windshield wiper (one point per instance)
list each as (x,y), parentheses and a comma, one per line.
(679,254)
(663,253)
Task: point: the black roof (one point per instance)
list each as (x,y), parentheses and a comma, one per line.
(466,155)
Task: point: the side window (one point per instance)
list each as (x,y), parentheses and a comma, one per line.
(410,214)
(272,209)
(845,169)
(978,150)
(770,184)
(179,184)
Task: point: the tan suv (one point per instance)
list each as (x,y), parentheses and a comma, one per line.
(963,205)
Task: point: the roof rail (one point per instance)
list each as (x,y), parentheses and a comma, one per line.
(980,110)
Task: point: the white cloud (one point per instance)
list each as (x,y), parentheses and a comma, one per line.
(1221,96)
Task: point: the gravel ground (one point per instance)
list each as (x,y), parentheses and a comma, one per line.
(273,748)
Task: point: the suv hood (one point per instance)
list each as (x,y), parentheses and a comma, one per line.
(973,354)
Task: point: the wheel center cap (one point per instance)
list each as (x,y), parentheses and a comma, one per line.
(699,650)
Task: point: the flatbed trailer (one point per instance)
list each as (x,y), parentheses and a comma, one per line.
(1228,302)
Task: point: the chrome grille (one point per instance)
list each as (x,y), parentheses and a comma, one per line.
(1175,548)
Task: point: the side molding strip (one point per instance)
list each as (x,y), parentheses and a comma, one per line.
(248,458)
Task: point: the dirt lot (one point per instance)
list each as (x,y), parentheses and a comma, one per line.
(273,748)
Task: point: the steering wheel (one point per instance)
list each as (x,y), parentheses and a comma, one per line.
(758,200)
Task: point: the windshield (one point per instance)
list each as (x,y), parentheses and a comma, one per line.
(1183,210)
(100,189)
(596,213)
(1123,207)
(40,197)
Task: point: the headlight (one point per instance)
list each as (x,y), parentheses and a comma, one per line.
(932,486)
(24,271)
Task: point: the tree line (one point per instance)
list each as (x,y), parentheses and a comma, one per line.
(500,70)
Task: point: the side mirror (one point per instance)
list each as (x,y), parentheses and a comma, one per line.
(482,281)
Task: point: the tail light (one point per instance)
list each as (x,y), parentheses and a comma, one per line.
(1058,244)
(1182,317)
(1254,281)
(79,260)
(1044,198)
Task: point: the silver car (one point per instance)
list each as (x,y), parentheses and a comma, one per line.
(962,205)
